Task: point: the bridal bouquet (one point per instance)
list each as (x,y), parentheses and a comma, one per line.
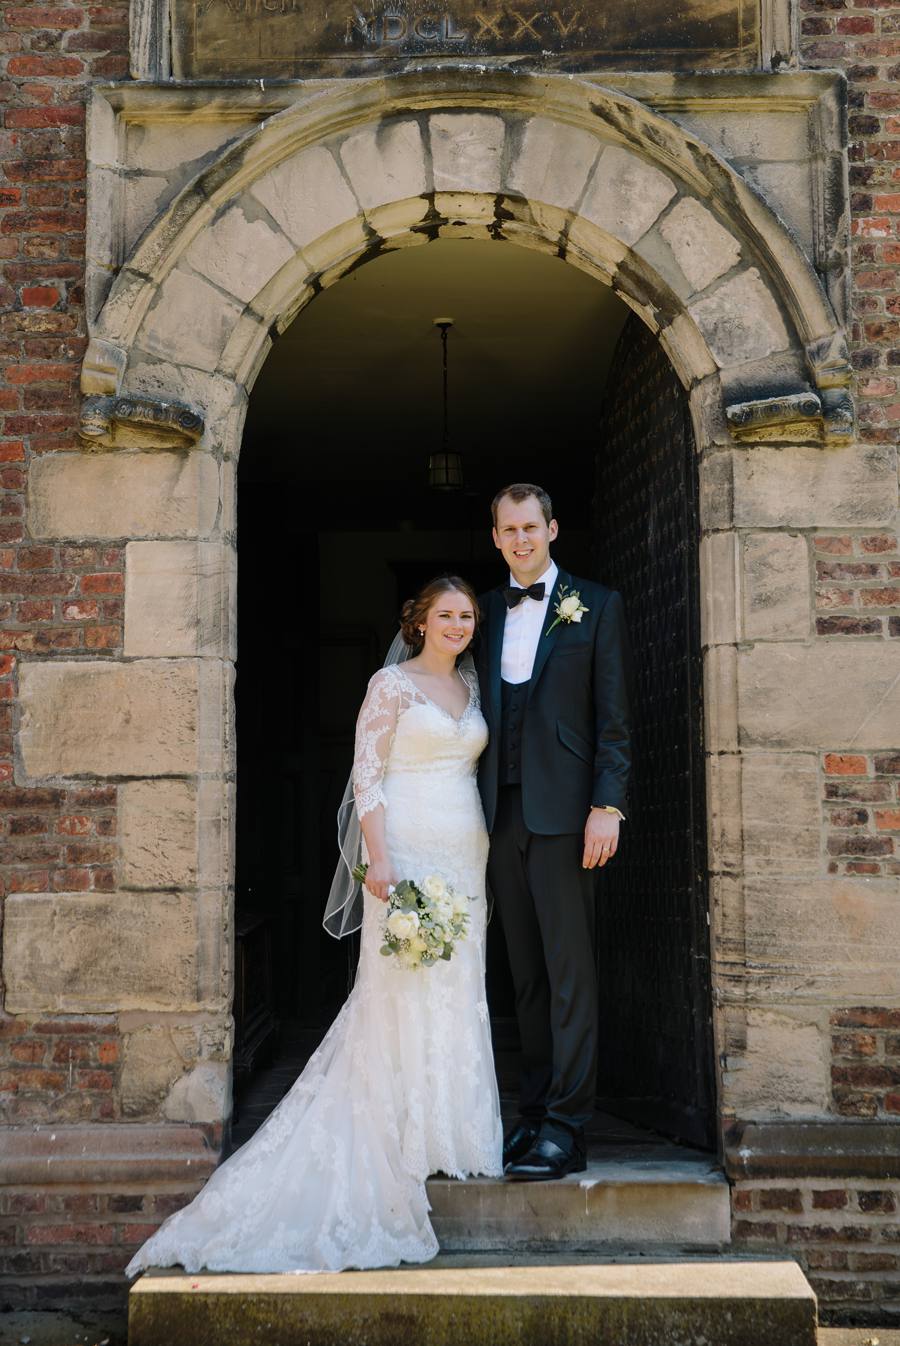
(423,922)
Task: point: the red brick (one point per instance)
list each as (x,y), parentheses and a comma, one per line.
(835,546)
(845,764)
(865,1016)
(787,1199)
(866,1076)
(881,1203)
(93,1079)
(102,637)
(757,1231)
(135,1234)
(49,116)
(831,1199)
(887,764)
(71,1049)
(854,1044)
(74,825)
(887,819)
(879,542)
(42,1081)
(848,626)
(96,1234)
(826,1234)
(29,1051)
(44,66)
(46,373)
(80,611)
(888,597)
(110,583)
(40,296)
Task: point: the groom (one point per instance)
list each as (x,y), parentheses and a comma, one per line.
(551,661)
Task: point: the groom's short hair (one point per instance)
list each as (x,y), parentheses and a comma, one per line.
(519,491)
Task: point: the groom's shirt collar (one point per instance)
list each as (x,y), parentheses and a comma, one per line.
(549,578)
(523,627)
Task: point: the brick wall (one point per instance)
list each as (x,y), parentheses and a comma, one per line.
(862,812)
(862,38)
(865,1062)
(845,1236)
(53,600)
(857,584)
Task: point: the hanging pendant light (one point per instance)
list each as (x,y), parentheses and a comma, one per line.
(445,469)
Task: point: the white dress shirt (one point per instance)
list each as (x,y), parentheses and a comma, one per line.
(522,631)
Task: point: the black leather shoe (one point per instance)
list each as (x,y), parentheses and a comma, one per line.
(518,1141)
(546,1160)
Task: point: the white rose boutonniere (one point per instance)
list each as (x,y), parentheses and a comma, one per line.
(569,608)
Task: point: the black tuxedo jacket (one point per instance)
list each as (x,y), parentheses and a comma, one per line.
(575,737)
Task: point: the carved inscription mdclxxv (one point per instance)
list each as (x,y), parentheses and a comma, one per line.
(284,39)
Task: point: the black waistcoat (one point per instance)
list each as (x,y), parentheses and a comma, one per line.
(512,710)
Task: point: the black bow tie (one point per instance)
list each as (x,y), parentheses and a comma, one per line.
(514,595)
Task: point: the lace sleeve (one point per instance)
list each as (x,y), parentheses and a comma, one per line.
(374,735)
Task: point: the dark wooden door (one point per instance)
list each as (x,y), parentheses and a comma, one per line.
(653,928)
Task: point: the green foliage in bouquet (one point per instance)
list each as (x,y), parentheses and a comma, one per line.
(422,924)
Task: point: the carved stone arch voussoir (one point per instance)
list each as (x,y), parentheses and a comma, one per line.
(542,161)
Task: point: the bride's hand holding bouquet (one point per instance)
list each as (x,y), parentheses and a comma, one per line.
(424,921)
(380,879)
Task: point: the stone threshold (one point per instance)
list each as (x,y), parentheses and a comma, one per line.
(486,1302)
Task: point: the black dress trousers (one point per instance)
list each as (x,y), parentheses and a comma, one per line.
(547,905)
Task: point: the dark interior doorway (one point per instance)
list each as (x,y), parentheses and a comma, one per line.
(337,525)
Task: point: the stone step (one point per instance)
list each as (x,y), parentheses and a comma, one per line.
(562,1302)
(673,1200)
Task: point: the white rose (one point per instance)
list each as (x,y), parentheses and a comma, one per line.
(460,905)
(403,924)
(570,608)
(434,887)
(408,958)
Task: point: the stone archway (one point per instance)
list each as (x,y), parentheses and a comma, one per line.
(541,162)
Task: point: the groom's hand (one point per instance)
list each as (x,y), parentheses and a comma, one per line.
(601,838)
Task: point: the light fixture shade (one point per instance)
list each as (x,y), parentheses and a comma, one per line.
(445,471)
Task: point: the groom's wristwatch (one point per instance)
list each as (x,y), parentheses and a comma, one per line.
(609,808)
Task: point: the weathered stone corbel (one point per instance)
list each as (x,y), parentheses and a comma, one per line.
(138,423)
(837,405)
(829,364)
(783,417)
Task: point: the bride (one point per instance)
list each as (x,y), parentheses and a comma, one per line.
(403,1083)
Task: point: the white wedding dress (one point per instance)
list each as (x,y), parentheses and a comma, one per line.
(403,1084)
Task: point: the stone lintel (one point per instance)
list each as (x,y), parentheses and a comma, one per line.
(110,1154)
(814,1149)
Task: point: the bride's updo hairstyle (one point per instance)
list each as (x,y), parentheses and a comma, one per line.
(415,610)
